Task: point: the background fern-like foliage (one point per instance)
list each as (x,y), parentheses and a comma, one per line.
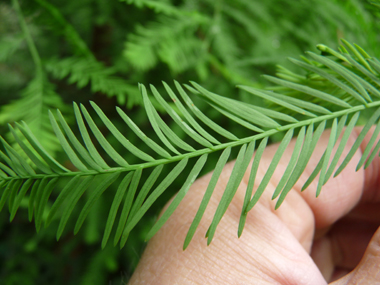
(56,52)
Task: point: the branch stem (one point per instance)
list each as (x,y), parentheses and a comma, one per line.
(200,152)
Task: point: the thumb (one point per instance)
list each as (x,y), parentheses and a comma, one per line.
(368,270)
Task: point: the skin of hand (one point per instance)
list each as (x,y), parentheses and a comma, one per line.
(308,240)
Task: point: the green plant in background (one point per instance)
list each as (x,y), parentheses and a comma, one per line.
(87,166)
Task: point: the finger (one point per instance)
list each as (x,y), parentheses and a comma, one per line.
(342,193)
(368,270)
(266,253)
(338,197)
(322,255)
(274,245)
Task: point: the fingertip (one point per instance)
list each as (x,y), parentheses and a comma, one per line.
(343,192)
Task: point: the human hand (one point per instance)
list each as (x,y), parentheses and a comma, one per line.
(308,240)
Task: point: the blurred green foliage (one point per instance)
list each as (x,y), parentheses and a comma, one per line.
(55,52)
